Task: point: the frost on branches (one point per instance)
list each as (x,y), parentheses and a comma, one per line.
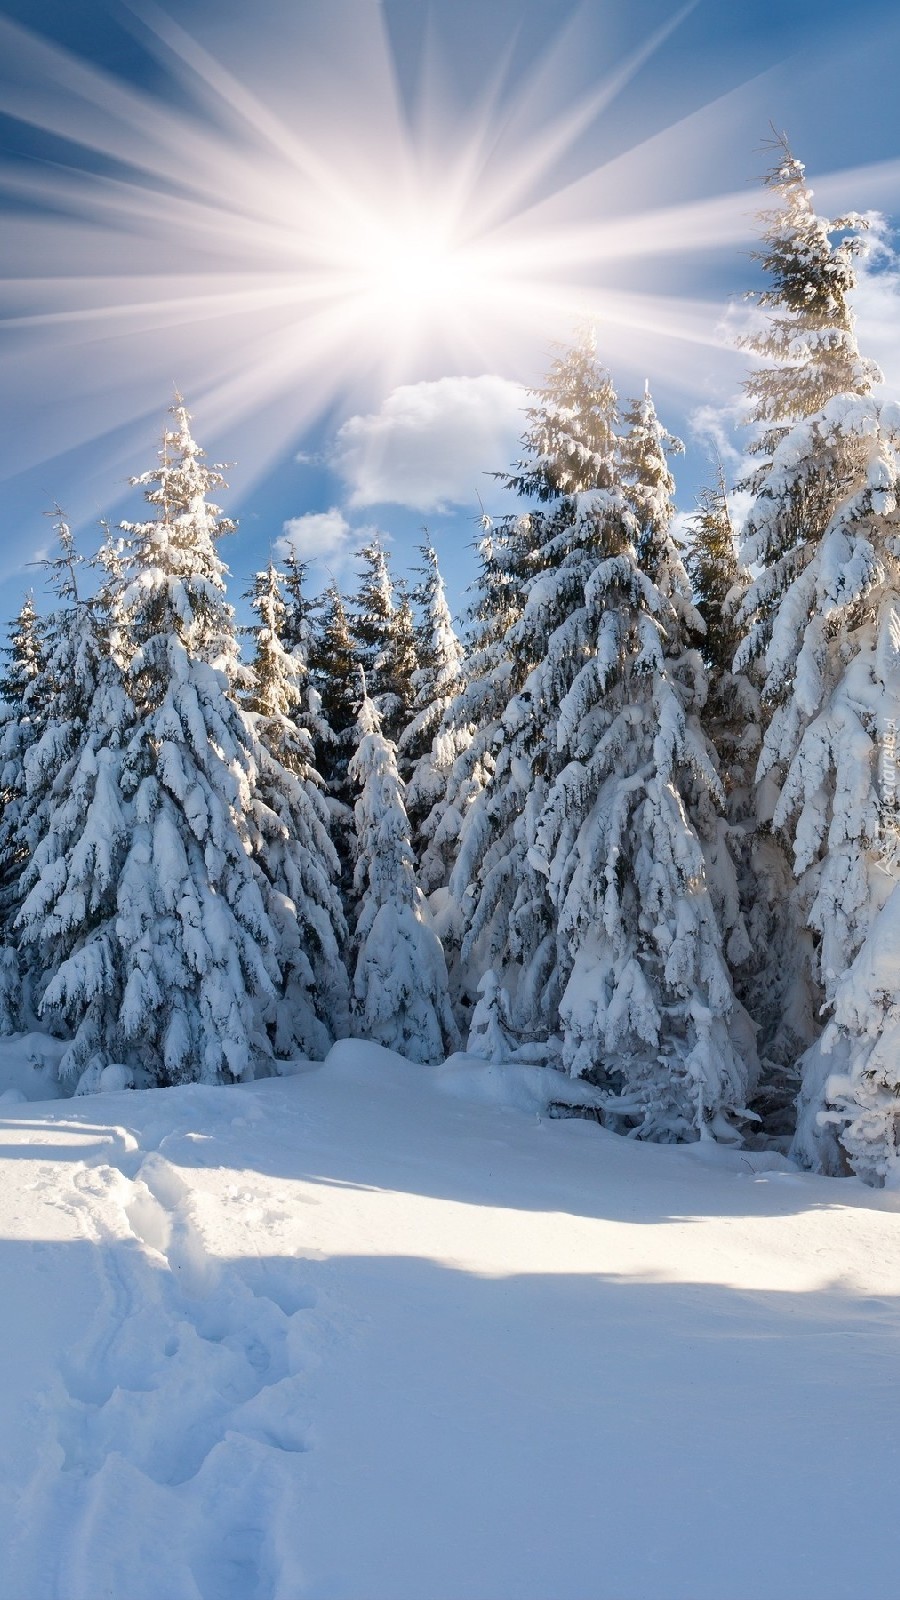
(400,992)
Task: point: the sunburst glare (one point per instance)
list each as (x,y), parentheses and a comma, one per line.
(278,238)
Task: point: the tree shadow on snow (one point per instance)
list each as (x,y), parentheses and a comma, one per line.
(431,1431)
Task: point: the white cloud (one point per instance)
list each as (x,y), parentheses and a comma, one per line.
(876,302)
(719,428)
(325,537)
(430,444)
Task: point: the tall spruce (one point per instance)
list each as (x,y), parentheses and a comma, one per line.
(333,677)
(293,843)
(767,948)
(570,448)
(436,681)
(381,624)
(78,826)
(198,949)
(648,1009)
(824,615)
(22,692)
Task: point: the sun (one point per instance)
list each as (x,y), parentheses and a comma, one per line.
(415,269)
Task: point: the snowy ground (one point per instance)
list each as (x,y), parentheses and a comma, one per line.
(369,1333)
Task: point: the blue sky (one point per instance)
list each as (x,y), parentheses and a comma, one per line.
(349,233)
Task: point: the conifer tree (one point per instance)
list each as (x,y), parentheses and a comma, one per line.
(400,669)
(436,682)
(464,744)
(570,449)
(495,906)
(293,844)
(823,617)
(333,673)
(22,692)
(299,610)
(78,825)
(198,950)
(274,689)
(749,872)
(372,615)
(384,639)
(648,1010)
(400,989)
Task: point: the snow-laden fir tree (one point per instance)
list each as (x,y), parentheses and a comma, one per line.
(22,693)
(78,826)
(401,667)
(750,875)
(298,639)
(23,689)
(824,614)
(333,678)
(371,621)
(648,1010)
(299,610)
(400,988)
(382,628)
(273,691)
(198,949)
(570,447)
(293,843)
(463,746)
(436,681)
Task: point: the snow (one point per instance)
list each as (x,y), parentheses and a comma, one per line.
(377,1331)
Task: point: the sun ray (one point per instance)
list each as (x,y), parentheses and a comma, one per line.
(331,247)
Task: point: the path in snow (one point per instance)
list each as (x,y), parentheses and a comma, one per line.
(353,1336)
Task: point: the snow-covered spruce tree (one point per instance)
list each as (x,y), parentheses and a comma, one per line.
(299,610)
(22,694)
(749,871)
(436,681)
(274,689)
(570,447)
(78,826)
(463,746)
(648,1010)
(824,615)
(333,677)
(293,845)
(400,990)
(23,690)
(384,641)
(198,950)
(401,666)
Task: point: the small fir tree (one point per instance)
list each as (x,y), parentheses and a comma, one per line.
(400,988)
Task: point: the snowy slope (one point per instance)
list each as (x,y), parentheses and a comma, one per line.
(369,1333)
